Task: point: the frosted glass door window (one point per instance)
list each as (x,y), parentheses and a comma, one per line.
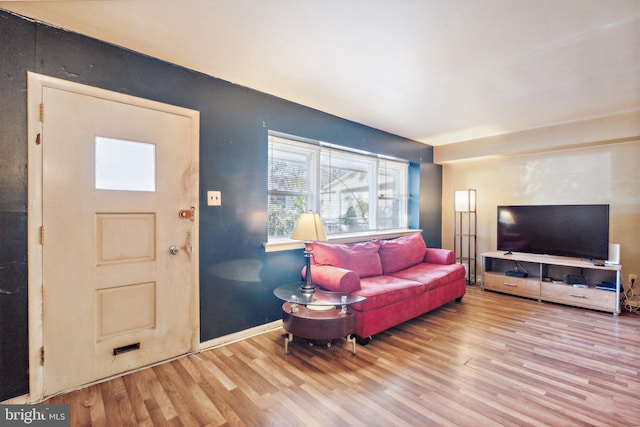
(125,165)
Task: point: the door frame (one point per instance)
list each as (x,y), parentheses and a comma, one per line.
(35,138)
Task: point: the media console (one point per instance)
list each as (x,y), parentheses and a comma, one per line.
(545,279)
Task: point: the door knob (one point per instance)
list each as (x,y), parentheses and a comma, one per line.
(173,250)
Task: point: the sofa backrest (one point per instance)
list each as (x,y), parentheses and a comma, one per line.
(363,258)
(403,252)
(372,258)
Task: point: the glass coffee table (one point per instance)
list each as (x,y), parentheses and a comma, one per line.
(320,317)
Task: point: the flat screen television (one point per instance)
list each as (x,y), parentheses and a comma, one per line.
(580,231)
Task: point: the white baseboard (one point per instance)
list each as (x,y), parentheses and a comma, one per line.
(241,335)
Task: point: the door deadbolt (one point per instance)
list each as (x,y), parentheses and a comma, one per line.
(173,250)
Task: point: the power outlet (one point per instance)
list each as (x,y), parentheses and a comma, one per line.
(214,198)
(633,278)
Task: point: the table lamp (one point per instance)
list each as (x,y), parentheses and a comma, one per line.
(309,229)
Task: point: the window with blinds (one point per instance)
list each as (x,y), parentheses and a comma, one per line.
(354,192)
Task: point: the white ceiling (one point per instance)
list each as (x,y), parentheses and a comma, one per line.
(437,71)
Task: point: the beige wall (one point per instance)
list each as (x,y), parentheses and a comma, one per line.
(607,173)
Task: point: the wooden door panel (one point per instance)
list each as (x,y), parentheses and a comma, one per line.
(125,309)
(125,237)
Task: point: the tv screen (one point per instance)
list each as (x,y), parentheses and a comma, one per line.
(580,231)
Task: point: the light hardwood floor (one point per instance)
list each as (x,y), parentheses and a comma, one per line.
(491,360)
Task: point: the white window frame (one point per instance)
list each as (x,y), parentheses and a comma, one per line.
(313,149)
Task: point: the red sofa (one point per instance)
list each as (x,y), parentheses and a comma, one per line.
(400,278)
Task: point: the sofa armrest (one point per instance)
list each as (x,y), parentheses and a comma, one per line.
(334,279)
(439,256)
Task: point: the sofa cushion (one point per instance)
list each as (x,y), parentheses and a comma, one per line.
(363,258)
(382,291)
(400,253)
(432,275)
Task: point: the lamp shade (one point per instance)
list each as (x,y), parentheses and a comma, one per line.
(309,228)
(465,200)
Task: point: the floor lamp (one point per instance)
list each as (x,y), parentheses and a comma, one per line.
(465,225)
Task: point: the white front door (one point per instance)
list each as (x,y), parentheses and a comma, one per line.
(119,260)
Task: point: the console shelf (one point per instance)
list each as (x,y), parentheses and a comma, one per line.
(544,279)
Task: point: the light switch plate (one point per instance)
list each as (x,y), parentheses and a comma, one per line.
(214,198)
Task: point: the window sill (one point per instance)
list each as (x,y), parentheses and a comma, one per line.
(288,244)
